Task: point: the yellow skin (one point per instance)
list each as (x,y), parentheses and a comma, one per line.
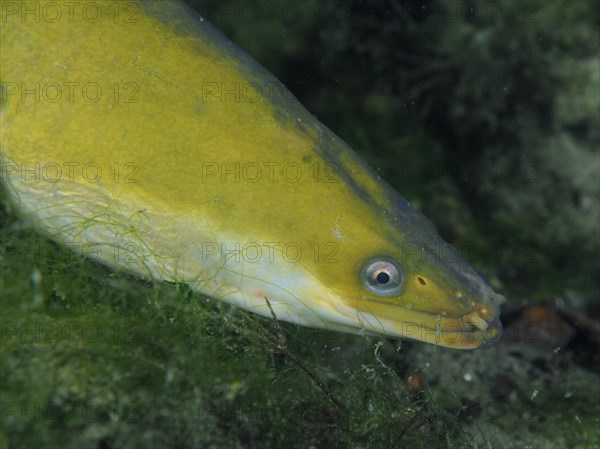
(159,174)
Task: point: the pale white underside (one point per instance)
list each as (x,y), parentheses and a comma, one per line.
(182,246)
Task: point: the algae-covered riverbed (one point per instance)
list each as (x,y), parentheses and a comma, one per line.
(485,116)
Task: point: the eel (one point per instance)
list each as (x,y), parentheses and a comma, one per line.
(138,134)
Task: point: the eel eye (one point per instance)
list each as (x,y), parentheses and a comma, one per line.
(382,276)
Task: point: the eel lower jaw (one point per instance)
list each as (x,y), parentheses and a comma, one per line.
(468,333)
(475,329)
(478,333)
(479,328)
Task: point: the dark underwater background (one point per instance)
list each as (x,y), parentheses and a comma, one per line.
(485,115)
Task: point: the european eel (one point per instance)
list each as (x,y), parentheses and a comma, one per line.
(143,135)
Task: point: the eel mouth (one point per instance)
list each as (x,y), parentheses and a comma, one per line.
(475,329)
(468,332)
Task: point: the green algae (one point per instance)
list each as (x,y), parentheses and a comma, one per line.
(94,358)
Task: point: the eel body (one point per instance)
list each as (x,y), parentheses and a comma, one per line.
(142,136)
